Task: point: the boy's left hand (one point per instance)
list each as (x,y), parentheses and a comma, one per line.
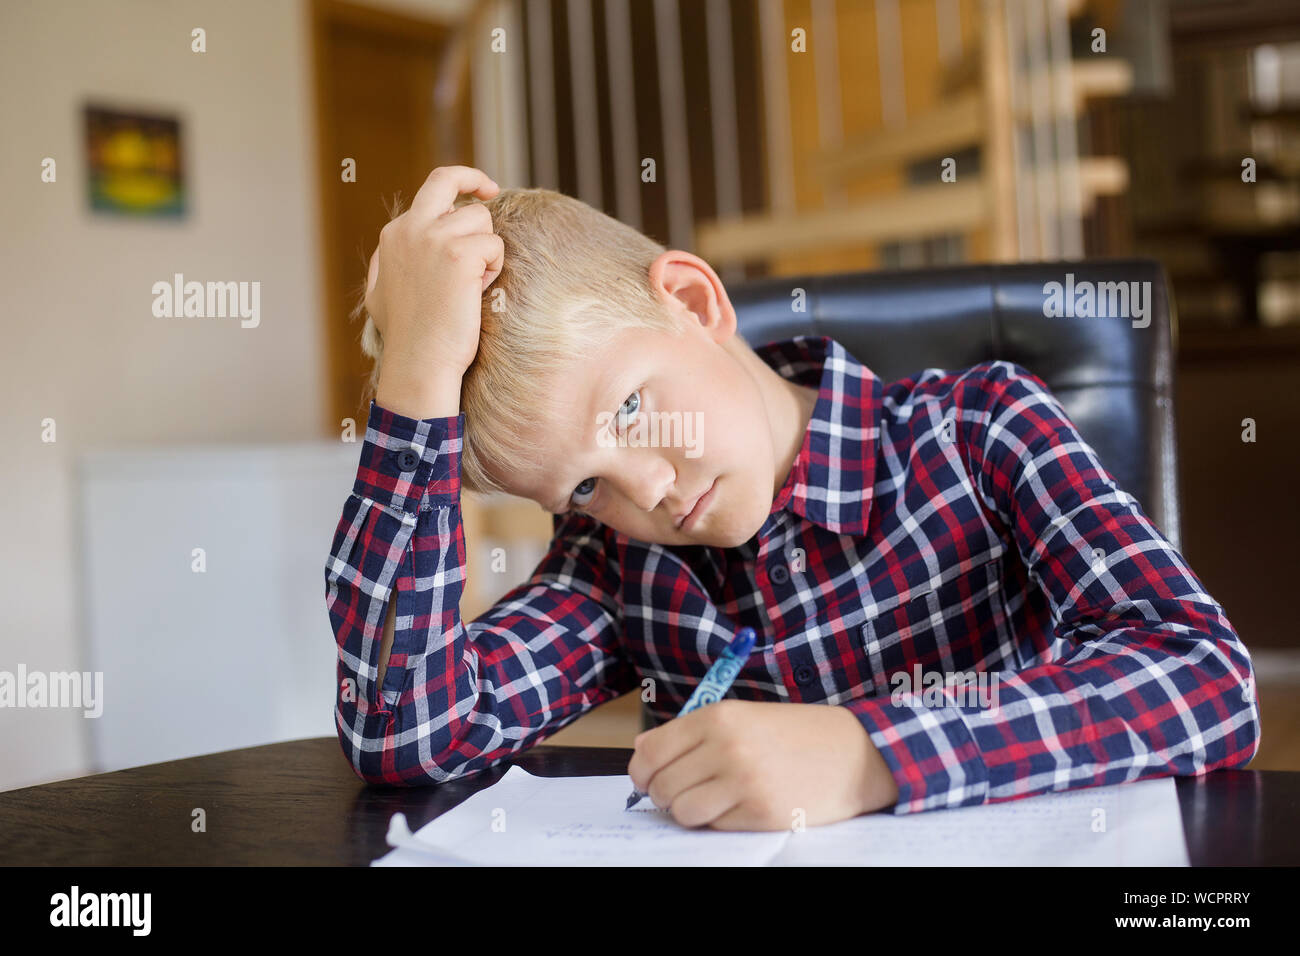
(754,765)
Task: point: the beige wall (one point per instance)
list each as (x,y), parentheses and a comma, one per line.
(81,345)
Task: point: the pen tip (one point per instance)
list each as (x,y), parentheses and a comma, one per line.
(632,801)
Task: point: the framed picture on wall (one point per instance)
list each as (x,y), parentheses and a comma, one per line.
(134,163)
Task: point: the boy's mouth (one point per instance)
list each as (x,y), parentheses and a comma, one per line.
(698,507)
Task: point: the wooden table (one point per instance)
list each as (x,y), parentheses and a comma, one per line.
(298,803)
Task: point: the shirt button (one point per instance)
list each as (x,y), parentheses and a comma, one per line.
(408,459)
(803,674)
(778,573)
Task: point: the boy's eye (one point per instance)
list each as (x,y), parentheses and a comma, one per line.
(582,494)
(585,491)
(629,408)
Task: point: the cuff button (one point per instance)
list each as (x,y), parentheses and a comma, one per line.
(408,459)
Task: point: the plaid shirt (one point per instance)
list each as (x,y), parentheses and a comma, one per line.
(950,523)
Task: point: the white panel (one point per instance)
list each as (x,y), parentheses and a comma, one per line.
(675,168)
(1040,103)
(826,62)
(1067,144)
(541,91)
(775,44)
(722,110)
(947,18)
(240,655)
(586,113)
(889,48)
(622,112)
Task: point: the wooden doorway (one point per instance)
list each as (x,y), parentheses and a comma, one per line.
(392,94)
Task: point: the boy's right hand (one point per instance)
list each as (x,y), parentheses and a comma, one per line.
(427,279)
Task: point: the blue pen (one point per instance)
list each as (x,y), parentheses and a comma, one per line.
(716,683)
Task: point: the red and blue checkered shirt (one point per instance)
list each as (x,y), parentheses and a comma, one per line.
(950,523)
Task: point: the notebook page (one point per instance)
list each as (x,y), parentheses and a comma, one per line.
(525,820)
(564,821)
(1131,824)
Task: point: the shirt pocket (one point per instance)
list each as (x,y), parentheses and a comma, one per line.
(948,626)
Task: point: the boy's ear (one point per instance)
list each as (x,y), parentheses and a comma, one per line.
(686,280)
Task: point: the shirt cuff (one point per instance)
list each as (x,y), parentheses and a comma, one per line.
(929,750)
(407,463)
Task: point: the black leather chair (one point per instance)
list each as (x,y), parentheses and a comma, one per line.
(1115,381)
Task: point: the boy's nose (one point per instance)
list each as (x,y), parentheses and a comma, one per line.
(655,481)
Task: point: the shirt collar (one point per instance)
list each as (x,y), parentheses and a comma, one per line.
(831,481)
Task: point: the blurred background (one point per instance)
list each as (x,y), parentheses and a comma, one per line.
(172,482)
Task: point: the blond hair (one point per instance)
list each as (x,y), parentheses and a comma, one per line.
(572,277)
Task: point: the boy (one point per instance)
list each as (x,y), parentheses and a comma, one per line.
(870,533)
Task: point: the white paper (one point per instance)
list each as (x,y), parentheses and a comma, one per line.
(526,820)
(1130,824)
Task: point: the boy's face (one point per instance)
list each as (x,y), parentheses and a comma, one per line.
(649,424)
